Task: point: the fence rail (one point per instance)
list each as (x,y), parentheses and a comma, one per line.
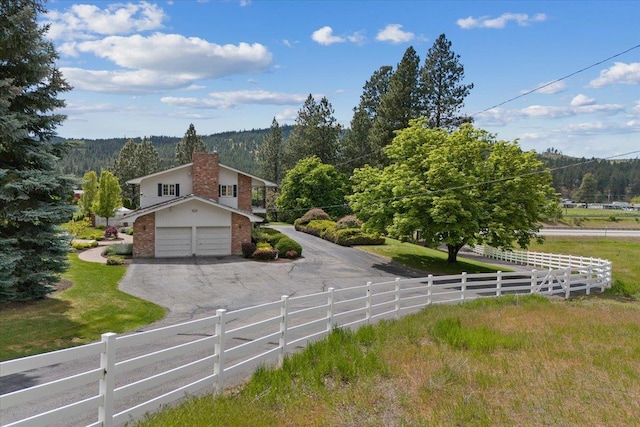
(213,352)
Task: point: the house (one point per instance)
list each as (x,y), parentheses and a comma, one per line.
(116,220)
(201,208)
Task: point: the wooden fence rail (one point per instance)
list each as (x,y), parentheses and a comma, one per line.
(222,349)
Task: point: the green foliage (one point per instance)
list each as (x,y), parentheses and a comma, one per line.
(115,260)
(316,227)
(285,246)
(190,143)
(248,248)
(482,339)
(355,237)
(77,228)
(316,133)
(270,154)
(309,184)
(135,160)
(34,196)
(349,221)
(89,192)
(587,193)
(84,245)
(108,199)
(456,188)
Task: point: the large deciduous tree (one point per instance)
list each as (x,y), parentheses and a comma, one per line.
(588,191)
(190,143)
(441,89)
(108,198)
(34,197)
(312,184)
(455,188)
(316,133)
(270,154)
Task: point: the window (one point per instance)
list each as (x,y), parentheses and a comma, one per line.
(228,190)
(168,190)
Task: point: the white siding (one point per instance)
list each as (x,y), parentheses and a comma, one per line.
(149,187)
(228,177)
(193,213)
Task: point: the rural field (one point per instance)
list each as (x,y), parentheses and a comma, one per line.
(600,218)
(511,361)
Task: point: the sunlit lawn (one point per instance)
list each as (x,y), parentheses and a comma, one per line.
(79,315)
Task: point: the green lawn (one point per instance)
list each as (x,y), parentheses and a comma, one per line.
(425,259)
(78,315)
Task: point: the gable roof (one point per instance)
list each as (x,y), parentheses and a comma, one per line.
(189,165)
(183,199)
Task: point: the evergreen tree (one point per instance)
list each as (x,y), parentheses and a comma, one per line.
(89,192)
(270,154)
(441,90)
(190,143)
(356,148)
(316,133)
(147,158)
(397,106)
(108,198)
(125,168)
(34,197)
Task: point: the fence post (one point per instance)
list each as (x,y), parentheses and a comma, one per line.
(463,285)
(107,382)
(368,305)
(397,314)
(567,282)
(429,285)
(534,280)
(284,326)
(218,366)
(589,279)
(499,284)
(330,311)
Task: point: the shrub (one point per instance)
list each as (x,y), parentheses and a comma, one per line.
(286,245)
(355,236)
(108,250)
(265,254)
(312,214)
(264,245)
(318,227)
(349,221)
(123,248)
(84,245)
(111,232)
(248,248)
(115,260)
(127,230)
(291,255)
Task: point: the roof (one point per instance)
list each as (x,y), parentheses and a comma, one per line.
(188,165)
(183,199)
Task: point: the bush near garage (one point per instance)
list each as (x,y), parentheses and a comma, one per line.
(269,239)
(265,254)
(286,246)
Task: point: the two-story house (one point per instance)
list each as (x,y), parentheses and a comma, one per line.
(201,208)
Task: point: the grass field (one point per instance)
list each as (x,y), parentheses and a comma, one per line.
(600,218)
(78,315)
(526,361)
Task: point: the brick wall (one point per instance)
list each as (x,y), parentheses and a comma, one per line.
(144,240)
(240,233)
(205,175)
(244,193)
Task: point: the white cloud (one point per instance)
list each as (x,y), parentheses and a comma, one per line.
(522,19)
(232,99)
(163,61)
(81,20)
(548,88)
(581,100)
(636,109)
(619,73)
(357,38)
(393,33)
(325,36)
(287,115)
(554,112)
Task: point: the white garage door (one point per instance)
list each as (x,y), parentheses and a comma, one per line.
(213,241)
(173,242)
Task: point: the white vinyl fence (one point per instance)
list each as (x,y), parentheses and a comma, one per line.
(120,378)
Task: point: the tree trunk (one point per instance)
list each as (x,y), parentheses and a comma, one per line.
(452,251)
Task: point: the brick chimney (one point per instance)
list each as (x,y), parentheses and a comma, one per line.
(206,168)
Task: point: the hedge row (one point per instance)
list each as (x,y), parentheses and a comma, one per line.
(270,244)
(331,231)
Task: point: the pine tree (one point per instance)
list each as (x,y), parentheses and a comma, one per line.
(316,133)
(270,154)
(125,168)
(397,106)
(190,143)
(147,158)
(441,90)
(34,197)
(108,198)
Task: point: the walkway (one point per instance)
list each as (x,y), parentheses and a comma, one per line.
(95,254)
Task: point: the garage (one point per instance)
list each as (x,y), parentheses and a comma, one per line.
(213,241)
(173,242)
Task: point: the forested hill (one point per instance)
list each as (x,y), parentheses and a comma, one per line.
(236,148)
(615,180)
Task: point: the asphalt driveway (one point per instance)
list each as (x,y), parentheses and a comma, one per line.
(196,287)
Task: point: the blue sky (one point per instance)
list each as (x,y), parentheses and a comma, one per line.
(151,68)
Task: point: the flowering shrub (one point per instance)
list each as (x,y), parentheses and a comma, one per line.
(111,232)
(265,254)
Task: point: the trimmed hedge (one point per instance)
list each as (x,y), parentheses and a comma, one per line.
(265,254)
(286,245)
(329,230)
(84,245)
(115,260)
(349,221)
(311,215)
